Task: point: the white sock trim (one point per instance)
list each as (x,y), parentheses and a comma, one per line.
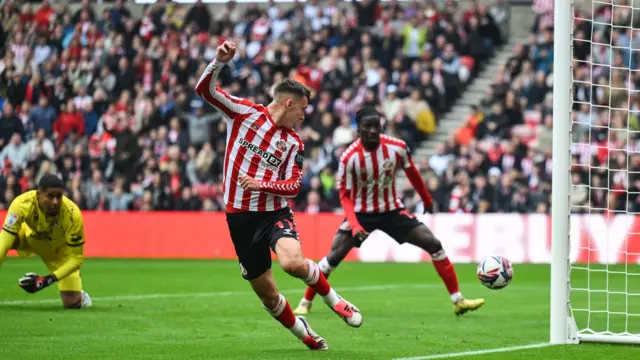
(440,255)
(279,308)
(298,329)
(324,266)
(456,296)
(331,298)
(314,273)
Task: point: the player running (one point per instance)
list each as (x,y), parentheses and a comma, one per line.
(366,181)
(262,167)
(50,225)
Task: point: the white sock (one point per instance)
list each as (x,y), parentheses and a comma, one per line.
(440,255)
(331,298)
(279,308)
(324,266)
(455,297)
(299,330)
(314,273)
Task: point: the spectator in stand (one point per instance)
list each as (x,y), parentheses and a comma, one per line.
(118,88)
(15,153)
(43,116)
(9,124)
(188,201)
(69,121)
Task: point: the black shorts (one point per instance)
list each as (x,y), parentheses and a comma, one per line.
(254,233)
(396,223)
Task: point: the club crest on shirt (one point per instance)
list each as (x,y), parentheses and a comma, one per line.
(281,145)
(387,165)
(255,126)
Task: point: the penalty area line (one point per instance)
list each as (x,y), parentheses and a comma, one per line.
(478,352)
(215,294)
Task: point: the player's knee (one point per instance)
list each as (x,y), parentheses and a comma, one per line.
(76,305)
(72,302)
(294,265)
(72,299)
(425,239)
(433,245)
(270,299)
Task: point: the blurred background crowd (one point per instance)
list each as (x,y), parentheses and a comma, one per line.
(105,99)
(500,160)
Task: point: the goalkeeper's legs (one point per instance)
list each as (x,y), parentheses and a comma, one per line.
(295,264)
(275,303)
(343,242)
(71,293)
(423,238)
(75,299)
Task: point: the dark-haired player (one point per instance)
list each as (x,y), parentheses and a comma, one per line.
(262,167)
(47,223)
(366,181)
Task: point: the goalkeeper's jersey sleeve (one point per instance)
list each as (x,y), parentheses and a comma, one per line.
(19,210)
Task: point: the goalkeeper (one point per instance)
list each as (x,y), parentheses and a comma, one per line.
(47,223)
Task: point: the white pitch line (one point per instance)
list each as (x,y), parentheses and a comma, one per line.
(477,352)
(212,294)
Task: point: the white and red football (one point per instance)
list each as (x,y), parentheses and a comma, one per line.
(495,272)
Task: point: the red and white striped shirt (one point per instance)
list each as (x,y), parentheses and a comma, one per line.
(256,147)
(369,177)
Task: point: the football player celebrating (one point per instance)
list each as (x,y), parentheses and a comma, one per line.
(366,181)
(47,223)
(263,167)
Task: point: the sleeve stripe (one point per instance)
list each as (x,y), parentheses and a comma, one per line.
(9,231)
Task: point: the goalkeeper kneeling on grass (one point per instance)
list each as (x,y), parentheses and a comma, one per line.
(47,223)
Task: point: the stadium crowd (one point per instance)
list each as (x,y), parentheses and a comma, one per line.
(105,99)
(500,160)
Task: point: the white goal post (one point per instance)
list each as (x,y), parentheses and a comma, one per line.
(596,300)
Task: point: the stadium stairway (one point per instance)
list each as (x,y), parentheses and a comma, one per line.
(521,21)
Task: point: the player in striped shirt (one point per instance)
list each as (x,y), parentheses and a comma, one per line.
(262,167)
(366,181)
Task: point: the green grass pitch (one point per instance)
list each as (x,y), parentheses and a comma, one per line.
(156,309)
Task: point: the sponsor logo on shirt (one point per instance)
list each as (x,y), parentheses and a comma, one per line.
(12,219)
(268,159)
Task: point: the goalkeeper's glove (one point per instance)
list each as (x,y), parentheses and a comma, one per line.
(32,282)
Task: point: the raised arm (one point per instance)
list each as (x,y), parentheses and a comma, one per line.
(233,107)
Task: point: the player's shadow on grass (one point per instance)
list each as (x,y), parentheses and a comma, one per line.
(49,307)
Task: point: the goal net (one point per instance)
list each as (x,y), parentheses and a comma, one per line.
(602,118)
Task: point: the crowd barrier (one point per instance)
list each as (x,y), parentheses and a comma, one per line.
(466,237)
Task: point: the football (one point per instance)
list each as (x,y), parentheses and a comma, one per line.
(495,272)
